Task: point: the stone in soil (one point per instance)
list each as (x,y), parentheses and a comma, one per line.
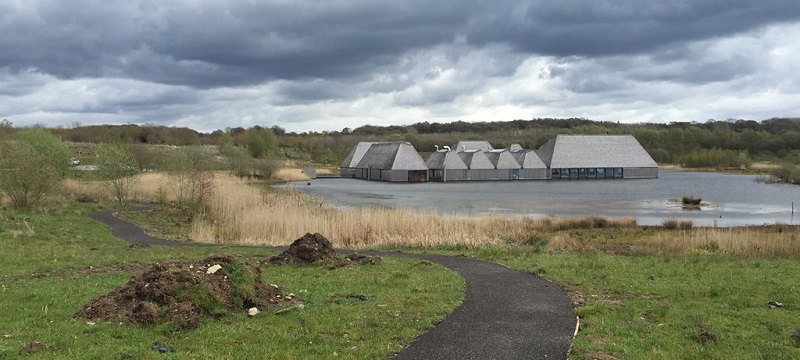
(183,293)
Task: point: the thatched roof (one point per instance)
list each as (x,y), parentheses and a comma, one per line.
(502,159)
(444,159)
(587,151)
(528,159)
(476,159)
(355,155)
(515,147)
(392,156)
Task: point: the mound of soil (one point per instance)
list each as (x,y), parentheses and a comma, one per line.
(315,248)
(183,293)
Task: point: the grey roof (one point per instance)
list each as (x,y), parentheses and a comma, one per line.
(586,151)
(528,159)
(515,147)
(445,160)
(355,155)
(475,159)
(392,156)
(502,159)
(464,145)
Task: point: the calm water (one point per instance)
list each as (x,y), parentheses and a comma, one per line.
(732,199)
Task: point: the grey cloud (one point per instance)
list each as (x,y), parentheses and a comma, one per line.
(242,43)
(602,28)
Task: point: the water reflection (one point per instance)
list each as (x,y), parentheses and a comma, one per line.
(729,200)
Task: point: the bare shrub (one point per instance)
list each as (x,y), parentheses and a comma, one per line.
(191,180)
(117,168)
(670,224)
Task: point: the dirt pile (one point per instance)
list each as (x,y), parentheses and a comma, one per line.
(183,293)
(315,248)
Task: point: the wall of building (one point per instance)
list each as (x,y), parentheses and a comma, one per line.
(534,174)
(639,173)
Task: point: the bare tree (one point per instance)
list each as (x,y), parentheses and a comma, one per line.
(192,181)
(118,169)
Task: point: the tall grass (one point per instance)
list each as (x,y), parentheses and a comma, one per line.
(248,213)
(744,242)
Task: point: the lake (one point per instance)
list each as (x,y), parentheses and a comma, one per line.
(729,200)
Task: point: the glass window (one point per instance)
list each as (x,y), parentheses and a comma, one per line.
(556,174)
(617,173)
(609,173)
(573,173)
(581,173)
(601,173)
(592,174)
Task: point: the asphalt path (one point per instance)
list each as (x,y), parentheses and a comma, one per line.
(506,314)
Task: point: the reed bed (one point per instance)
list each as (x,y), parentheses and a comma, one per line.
(252,213)
(290,174)
(248,214)
(744,242)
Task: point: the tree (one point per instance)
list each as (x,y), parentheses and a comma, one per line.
(192,181)
(117,167)
(260,141)
(32,166)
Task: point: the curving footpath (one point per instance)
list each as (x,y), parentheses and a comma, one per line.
(506,314)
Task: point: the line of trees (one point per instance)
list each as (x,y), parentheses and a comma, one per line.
(677,142)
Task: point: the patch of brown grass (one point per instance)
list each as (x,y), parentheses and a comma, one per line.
(290,174)
(253,213)
(744,242)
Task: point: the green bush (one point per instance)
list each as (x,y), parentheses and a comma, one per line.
(32,165)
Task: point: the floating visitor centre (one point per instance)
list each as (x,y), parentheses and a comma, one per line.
(566,157)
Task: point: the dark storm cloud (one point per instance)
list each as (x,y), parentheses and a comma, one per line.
(605,27)
(205,45)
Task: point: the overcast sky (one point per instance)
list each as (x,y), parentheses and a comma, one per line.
(330,64)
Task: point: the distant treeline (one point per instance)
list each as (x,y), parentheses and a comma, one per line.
(711,143)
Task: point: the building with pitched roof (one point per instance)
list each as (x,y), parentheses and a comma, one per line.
(348,167)
(446,165)
(532,168)
(391,161)
(573,157)
(565,157)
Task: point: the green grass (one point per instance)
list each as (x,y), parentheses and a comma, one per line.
(55,263)
(640,307)
(630,306)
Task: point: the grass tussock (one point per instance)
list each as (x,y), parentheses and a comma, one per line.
(675,224)
(691,201)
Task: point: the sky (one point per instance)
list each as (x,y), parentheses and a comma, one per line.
(325,65)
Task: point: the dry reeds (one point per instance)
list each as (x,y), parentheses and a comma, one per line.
(287,174)
(675,224)
(743,242)
(247,213)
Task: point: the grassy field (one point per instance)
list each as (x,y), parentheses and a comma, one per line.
(678,292)
(690,306)
(55,262)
